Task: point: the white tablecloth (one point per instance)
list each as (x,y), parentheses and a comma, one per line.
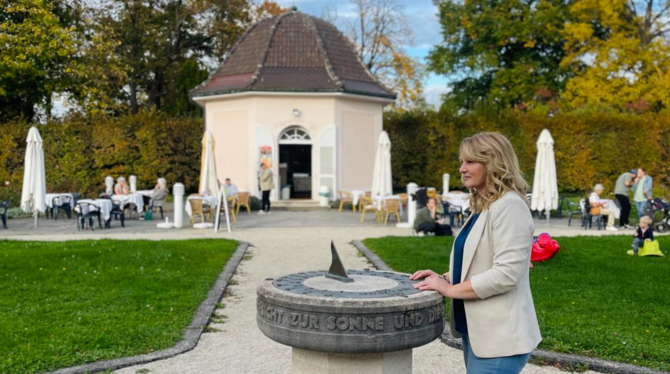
(210,200)
(356,194)
(133,198)
(457,199)
(104,205)
(378,201)
(145,192)
(50,198)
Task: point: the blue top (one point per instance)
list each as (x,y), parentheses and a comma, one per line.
(459,310)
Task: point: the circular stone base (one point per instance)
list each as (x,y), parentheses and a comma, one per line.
(376,313)
(310,362)
(165,225)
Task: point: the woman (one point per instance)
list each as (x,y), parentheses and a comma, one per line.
(598,206)
(121,187)
(492,306)
(642,190)
(158,195)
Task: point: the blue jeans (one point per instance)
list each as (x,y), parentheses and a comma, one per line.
(640,206)
(495,365)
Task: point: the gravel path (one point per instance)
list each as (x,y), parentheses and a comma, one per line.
(238,347)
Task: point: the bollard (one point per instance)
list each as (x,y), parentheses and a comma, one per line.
(178,192)
(109,186)
(411,207)
(445,185)
(133,183)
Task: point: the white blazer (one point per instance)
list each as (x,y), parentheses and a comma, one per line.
(496,260)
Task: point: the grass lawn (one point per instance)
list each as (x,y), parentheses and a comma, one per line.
(69,303)
(591,299)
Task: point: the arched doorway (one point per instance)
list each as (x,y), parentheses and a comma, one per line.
(295,162)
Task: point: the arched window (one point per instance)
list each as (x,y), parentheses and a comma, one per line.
(295,135)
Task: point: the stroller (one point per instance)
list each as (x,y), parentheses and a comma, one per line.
(660,222)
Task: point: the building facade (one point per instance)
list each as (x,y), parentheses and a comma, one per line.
(292,94)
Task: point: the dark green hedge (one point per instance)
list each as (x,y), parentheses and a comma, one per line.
(81,151)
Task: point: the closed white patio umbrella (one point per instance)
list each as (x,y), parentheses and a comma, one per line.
(545,184)
(33,196)
(208,181)
(381,177)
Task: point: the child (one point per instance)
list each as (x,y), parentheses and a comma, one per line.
(642,233)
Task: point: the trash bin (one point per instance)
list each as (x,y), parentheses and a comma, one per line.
(286,192)
(324,194)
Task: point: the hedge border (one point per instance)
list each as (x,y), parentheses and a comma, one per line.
(191,335)
(538,356)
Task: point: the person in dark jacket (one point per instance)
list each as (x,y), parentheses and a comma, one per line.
(643,233)
(425,221)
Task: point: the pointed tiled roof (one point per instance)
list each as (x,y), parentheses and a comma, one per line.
(293,52)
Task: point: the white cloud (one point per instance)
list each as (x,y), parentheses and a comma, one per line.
(433,94)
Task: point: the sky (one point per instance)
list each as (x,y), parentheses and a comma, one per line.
(422,18)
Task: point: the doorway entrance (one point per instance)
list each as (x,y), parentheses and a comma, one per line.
(295,163)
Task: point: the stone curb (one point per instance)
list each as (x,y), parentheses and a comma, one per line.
(376,260)
(537,356)
(191,335)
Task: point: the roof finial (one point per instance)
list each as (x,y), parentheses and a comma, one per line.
(293,7)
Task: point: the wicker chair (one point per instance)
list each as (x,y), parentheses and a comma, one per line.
(362,202)
(391,207)
(368,205)
(197,207)
(243,200)
(232,200)
(345,198)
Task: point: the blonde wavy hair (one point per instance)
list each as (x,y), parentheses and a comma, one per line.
(501,165)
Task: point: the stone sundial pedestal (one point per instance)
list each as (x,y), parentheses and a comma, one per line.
(356,321)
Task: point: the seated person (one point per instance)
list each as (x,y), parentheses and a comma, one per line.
(597,207)
(159,193)
(231,188)
(642,234)
(121,187)
(425,221)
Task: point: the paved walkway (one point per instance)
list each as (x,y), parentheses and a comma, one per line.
(48,229)
(240,348)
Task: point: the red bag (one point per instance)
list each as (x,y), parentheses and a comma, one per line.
(544,248)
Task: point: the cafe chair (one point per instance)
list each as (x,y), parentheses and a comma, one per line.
(199,208)
(3,213)
(243,201)
(345,198)
(391,207)
(368,205)
(87,211)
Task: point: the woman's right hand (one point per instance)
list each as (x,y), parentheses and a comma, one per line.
(422,274)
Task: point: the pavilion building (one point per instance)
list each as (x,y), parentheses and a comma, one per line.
(293,94)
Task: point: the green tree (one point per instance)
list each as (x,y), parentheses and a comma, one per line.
(36,52)
(621,50)
(157,37)
(178,100)
(501,52)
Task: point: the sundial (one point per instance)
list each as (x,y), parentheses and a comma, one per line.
(353,284)
(348,313)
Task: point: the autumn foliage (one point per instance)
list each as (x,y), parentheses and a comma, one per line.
(80,152)
(590,146)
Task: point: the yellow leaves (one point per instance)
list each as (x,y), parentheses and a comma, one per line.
(529,44)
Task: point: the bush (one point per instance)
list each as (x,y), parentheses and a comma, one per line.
(79,152)
(590,146)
